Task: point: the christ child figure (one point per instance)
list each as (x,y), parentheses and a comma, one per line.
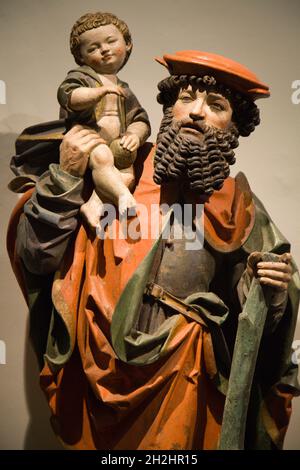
(93,95)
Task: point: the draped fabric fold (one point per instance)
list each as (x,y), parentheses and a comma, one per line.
(166,398)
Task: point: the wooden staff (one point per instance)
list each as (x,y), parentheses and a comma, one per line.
(250,329)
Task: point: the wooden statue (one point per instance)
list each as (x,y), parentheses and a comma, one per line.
(135,335)
(93,95)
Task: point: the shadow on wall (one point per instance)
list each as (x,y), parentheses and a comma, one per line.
(7,148)
(38,434)
(8,199)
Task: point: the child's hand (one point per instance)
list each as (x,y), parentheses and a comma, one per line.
(130,142)
(104,90)
(84,97)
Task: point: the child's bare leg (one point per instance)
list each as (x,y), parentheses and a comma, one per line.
(92,210)
(128,177)
(108,179)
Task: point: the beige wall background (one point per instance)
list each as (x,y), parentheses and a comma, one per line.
(34,58)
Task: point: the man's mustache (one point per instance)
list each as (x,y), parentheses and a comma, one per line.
(197,125)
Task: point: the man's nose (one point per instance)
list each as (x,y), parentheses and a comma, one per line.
(197,112)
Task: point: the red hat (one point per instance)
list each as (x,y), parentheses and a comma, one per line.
(225,70)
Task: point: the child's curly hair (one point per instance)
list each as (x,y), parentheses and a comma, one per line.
(94,20)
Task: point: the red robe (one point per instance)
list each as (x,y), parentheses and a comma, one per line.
(100,402)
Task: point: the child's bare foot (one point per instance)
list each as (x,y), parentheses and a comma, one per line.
(92,210)
(127,205)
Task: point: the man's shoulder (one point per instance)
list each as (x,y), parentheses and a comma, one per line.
(239,182)
(230,215)
(232,190)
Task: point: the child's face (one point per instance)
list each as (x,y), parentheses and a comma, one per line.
(104,49)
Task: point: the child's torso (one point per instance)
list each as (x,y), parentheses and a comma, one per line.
(109,122)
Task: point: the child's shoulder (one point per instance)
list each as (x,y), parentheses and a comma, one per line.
(84,72)
(122,84)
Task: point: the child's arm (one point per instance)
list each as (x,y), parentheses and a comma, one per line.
(138,126)
(84,97)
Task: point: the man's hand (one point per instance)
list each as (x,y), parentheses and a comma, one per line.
(274,274)
(130,142)
(75,149)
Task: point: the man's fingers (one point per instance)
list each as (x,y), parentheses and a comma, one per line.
(75,140)
(286,258)
(78,130)
(83,137)
(76,147)
(280,285)
(91,137)
(86,132)
(276,275)
(75,129)
(91,144)
(275,266)
(254,258)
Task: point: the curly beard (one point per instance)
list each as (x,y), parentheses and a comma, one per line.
(205,164)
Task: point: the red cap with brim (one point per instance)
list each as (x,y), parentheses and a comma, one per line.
(226,71)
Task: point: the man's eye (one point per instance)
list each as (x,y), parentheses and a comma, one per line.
(218,106)
(186,98)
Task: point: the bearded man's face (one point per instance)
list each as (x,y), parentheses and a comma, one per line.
(196,141)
